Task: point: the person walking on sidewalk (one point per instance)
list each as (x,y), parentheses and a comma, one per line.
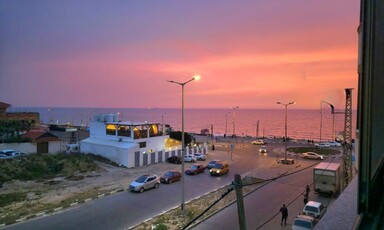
(284,214)
(305,198)
(307,190)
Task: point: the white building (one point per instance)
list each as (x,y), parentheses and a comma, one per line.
(127,143)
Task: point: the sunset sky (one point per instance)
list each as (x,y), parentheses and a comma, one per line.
(120,53)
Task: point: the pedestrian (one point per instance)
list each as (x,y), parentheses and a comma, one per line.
(284,214)
(307,190)
(305,198)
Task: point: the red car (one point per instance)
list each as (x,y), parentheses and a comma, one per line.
(170,176)
(195,169)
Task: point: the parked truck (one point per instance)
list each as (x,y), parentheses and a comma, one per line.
(327,178)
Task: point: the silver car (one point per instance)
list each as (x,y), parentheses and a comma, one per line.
(314,209)
(200,156)
(312,155)
(144,182)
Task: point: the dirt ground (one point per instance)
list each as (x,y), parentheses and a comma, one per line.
(45,195)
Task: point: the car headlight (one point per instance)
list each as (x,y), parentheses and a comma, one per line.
(211,170)
(218,171)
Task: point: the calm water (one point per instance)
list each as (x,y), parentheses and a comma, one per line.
(302,124)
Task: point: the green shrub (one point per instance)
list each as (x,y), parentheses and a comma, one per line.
(44,166)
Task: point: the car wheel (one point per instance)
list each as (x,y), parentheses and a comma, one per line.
(156,185)
(170,181)
(141,189)
(305,157)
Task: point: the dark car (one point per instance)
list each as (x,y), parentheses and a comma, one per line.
(212,163)
(195,169)
(170,176)
(174,160)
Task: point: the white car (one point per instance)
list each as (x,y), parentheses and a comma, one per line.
(190,158)
(11,153)
(322,145)
(144,182)
(200,156)
(8,152)
(334,144)
(258,142)
(314,209)
(312,155)
(303,222)
(263,149)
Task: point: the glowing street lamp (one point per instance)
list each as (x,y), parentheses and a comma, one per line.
(196,77)
(321,118)
(285,142)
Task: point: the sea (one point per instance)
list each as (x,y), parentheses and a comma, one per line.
(301,124)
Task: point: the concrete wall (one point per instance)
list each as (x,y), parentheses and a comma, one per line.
(126,156)
(30,147)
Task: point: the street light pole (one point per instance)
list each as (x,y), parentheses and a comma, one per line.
(226,122)
(285,142)
(234,120)
(321,118)
(182,206)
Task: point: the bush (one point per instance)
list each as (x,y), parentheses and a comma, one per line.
(44,166)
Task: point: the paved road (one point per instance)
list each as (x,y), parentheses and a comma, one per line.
(262,206)
(126,209)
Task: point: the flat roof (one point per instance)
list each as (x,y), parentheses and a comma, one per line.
(112,143)
(328,166)
(128,123)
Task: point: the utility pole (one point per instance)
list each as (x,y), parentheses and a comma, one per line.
(213,146)
(347,145)
(240,203)
(257,129)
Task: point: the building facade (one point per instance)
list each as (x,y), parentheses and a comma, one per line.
(130,144)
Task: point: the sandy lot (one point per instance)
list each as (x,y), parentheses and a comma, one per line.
(46,195)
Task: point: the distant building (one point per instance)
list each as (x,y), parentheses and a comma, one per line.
(130,144)
(31,117)
(43,141)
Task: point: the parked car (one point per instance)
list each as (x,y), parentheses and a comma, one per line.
(312,155)
(258,142)
(334,144)
(174,160)
(263,149)
(212,163)
(190,158)
(219,169)
(195,169)
(3,156)
(200,156)
(322,145)
(170,177)
(303,222)
(144,182)
(314,209)
(11,153)
(8,152)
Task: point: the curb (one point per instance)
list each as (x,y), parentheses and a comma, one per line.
(58,209)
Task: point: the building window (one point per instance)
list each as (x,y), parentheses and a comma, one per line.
(110,130)
(124,131)
(142,144)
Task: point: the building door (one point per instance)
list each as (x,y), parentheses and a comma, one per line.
(42,147)
(145,159)
(153,157)
(160,156)
(137,159)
